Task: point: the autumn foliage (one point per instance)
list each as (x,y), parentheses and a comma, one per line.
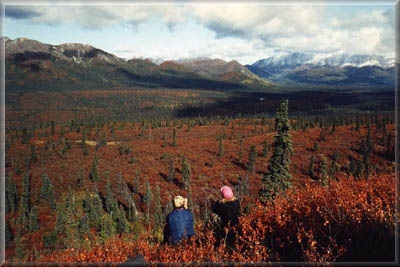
(331,215)
(334,223)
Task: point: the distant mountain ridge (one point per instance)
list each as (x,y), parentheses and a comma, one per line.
(332,60)
(327,69)
(32,65)
(23,48)
(37,66)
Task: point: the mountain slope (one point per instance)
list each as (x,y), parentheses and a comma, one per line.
(327,69)
(224,71)
(32,65)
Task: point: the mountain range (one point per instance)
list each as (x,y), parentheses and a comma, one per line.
(32,65)
(333,68)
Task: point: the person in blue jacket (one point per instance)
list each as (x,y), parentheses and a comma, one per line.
(179,222)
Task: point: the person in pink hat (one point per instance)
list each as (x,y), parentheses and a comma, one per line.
(228,209)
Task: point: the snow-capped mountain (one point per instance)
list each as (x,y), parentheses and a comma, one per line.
(333,60)
(332,69)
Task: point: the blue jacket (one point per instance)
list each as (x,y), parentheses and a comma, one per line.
(180,224)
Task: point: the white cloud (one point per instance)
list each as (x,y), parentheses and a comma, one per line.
(358,21)
(231,31)
(249,21)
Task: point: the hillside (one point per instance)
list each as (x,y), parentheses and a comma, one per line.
(35,66)
(335,69)
(127,156)
(225,71)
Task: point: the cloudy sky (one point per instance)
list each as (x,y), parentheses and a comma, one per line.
(243,31)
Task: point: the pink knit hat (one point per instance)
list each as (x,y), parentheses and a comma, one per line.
(226,192)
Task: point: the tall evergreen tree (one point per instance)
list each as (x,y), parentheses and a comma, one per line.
(34,157)
(251,163)
(47,191)
(83,226)
(174,137)
(311,168)
(220,147)
(52,128)
(323,171)
(136,183)
(34,219)
(60,218)
(84,138)
(93,207)
(123,192)
(25,203)
(316,146)
(147,199)
(265,148)
(171,170)
(81,178)
(158,214)
(71,224)
(11,196)
(94,173)
(334,166)
(121,223)
(8,232)
(111,204)
(278,177)
(186,172)
(107,227)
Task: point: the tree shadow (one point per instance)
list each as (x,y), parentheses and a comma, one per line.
(240,164)
(174,180)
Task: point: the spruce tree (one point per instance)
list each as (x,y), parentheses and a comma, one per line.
(34,157)
(311,167)
(121,223)
(93,207)
(123,192)
(66,223)
(278,177)
(81,178)
(252,158)
(94,173)
(147,199)
(265,148)
(84,138)
(60,218)
(174,137)
(83,226)
(25,203)
(111,204)
(186,172)
(11,196)
(334,166)
(136,183)
(47,192)
(34,219)
(52,128)
(316,146)
(107,227)
(158,214)
(323,171)
(8,232)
